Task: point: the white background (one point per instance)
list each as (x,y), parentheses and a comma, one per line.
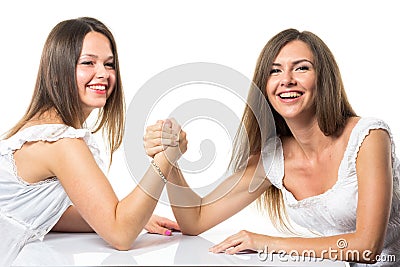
(155,35)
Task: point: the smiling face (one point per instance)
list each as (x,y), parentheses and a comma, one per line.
(291,84)
(95,72)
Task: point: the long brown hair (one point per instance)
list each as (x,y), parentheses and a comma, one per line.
(332,107)
(56,86)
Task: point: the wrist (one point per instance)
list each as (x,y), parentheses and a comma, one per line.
(162,164)
(159,171)
(170,155)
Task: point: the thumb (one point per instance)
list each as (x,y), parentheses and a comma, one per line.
(168,123)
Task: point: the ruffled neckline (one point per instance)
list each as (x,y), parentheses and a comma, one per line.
(42,132)
(350,152)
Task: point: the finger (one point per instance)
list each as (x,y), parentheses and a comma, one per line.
(158,128)
(167,123)
(151,152)
(236,249)
(154,127)
(224,245)
(157,229)
(182,135)
(171,225)
(176,128)
(153,140)
(160,134)
(169,139)
(167,232)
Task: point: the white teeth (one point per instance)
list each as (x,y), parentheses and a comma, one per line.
(290,94)
(97,87)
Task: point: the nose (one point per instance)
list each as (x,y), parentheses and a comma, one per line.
(287,79)
(102,72)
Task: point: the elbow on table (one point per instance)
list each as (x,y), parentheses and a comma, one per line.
(122,247)
(121,241)
(192,231)
(369,254)
(370,257)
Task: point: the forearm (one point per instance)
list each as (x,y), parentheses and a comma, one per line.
(185,203)
(134,211)
(71,221)
(197,214)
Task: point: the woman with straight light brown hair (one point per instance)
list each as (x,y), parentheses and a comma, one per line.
(51,174)
(332,172)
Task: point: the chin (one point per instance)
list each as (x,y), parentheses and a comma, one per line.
(90,108)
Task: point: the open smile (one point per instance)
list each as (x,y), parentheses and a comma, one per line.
(290,95)
(97,88)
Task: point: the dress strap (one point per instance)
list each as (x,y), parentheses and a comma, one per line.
(42,132)
(272,159)
(357,137)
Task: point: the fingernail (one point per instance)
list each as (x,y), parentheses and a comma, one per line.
(168,232)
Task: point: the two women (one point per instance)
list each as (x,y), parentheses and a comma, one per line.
(332,171)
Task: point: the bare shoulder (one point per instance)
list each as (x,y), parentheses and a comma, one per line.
(65,146)
(38,160)
(376,139)
(69,147)
(68,153)
(375,151)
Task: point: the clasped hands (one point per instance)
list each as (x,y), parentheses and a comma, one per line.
(165,136)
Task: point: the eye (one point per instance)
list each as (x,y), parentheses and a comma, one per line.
(86,63)
(303,68)
(110,65)
(274,71)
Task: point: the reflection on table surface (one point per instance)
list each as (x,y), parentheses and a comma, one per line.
(88,249)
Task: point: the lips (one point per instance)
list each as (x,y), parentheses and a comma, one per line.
(97,87)
(290,95)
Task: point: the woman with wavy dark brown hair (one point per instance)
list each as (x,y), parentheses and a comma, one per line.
(318,164)
(50,165)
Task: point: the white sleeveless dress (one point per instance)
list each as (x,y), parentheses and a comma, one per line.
(334,212)
(29,211)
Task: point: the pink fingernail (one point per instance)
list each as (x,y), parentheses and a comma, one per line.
(168,232)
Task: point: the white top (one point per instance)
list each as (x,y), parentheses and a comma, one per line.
(29,211)
(334,212)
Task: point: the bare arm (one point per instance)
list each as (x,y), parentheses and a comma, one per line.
(117,222)
(193,213)
(374,171)
(196,215)
(72,221)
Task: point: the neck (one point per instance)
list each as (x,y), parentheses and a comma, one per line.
(311,140)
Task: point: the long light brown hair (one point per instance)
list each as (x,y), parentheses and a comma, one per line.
(331,104)
(56,87)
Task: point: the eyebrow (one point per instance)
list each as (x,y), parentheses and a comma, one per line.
(294,62)
(95,56)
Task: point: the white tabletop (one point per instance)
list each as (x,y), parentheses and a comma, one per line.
(88,249)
